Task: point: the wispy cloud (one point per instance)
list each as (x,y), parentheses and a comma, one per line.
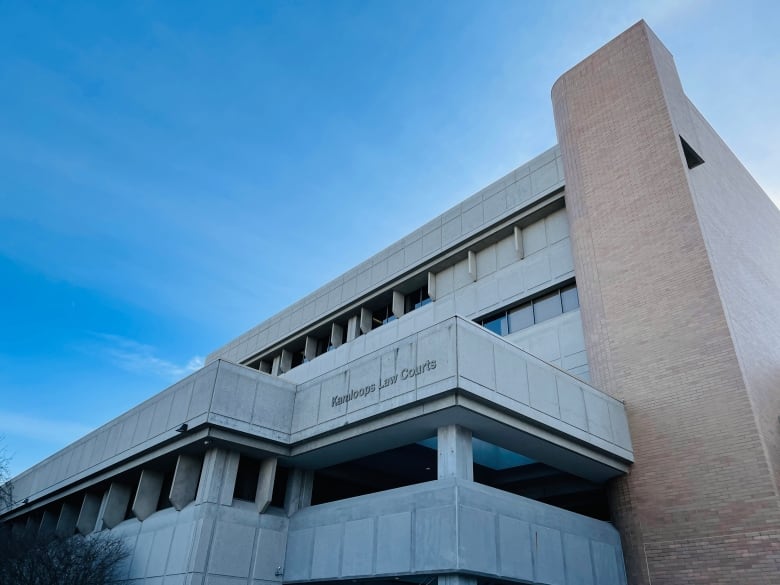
(132,356)
(41,429)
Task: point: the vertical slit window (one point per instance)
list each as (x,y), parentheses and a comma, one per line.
(547,307)
(570,298)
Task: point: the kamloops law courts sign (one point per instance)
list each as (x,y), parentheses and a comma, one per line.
(367,390)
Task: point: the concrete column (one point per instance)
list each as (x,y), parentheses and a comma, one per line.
(299,487)
(285,361)
(264,366)
(456,580)
(336,335)
(456,456)
(365,320)
(432,285)
(399,304)
(114,505)
(353,328)
(66,522)
(519,242)
(265,484)
(275,366)
(148,494)
(185,481)
(88,515)
(218,477)
(472,265)
(32,524)
(48,522)
(310,348)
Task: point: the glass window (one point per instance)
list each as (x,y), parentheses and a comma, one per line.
(547,307)
(382,316)
(417,299)
(521,317)
(569,298)
(424,301)
(497,325)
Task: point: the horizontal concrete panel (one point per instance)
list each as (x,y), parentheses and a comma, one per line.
(385,381)
(507,195)
(221,391)
(465,528)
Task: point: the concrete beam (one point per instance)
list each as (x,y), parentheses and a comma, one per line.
(399,304)
(336,335)
(456,580)
(353,328)
(432,285)
(148,494)
(310,348)
(185,481)
(115,505)
(456,455)
(285,361)
(48,522)
(88,514)
(265,484)
(218,477)
(365,320)
(519,242)
(66,522)
(299,487)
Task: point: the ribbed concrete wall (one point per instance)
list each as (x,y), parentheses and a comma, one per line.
(451,526)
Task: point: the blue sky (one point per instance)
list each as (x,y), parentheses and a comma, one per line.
(173,173)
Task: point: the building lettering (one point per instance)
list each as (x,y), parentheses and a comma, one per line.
(406,374)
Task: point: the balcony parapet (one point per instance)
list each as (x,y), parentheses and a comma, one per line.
(450,526)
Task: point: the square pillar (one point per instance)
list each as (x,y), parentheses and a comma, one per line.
(48,522)
(148,494)
(265,484)
(185,481)
(399,304)
(353,328)
(365,320)
(285,361)
(456,456)
(432,285)
(472,265)
(88,515)
(218,477)
(299,488)
(456,580)
(66,522)
(310,348)
(115,505)
(336,335)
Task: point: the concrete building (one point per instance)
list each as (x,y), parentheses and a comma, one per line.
(569,378)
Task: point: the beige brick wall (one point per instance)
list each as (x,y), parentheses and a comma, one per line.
(700,504)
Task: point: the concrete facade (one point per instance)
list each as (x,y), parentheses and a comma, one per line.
(457,408)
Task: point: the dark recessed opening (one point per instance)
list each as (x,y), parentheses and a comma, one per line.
(692,157)
(391,469)
(280,486)
(246,479)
